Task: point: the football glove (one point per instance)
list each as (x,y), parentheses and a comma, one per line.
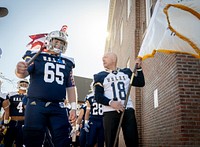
(86,126)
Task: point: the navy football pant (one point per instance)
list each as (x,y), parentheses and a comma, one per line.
(82,137)
(14,134)
(40,115)
(96,133)
(129,127)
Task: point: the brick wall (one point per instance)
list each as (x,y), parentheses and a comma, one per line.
(188,78)
(176,120)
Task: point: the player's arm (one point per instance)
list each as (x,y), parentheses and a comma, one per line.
(6,107)
(80,116)
(73,132)
(79,121)
(99,95)
(71,94)
(87,113)
(138,80)
(71,91)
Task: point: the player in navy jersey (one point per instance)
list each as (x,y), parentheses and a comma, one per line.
(51,79)
(111,87)
(14,117)
(94,122)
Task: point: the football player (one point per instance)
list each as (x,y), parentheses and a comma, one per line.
(14,115)
(51,79)
(111,88)
(94,122)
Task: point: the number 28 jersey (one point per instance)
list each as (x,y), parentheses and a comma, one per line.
(96,110)
(50,75)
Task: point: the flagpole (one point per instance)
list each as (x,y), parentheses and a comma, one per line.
(125,103)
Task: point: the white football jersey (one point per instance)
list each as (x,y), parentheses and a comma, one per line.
(116,87)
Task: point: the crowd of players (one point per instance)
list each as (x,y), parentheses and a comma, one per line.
(86,131)
(39,115)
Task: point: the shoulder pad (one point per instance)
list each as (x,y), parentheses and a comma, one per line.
(126,70)
(100,75)
(90,95)
(70,59)
(12,93)
(83,106)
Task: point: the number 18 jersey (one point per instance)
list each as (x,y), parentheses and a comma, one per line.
(115,86)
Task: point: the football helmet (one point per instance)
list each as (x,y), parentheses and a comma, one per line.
(22,84)
(50,46)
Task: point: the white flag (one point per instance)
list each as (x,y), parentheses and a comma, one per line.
(173,28)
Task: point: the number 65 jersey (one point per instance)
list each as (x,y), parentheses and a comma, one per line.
(50,75)
(113,85)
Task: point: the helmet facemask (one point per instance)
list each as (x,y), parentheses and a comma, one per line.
(56,42)
(23,85)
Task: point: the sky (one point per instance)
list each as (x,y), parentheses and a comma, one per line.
(87,30)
